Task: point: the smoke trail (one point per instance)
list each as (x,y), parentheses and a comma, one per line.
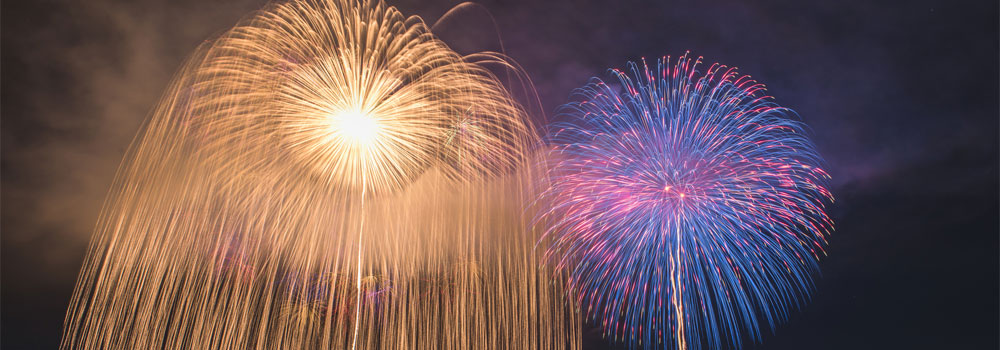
(326,174)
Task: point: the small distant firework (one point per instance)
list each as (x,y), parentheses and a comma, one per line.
(687,207)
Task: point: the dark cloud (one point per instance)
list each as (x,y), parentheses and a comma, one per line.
(902,99)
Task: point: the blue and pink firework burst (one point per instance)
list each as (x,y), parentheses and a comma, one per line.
(687,207)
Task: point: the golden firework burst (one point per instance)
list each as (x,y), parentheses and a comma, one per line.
(314,144)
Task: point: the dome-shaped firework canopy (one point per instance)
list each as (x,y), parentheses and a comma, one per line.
(314,178)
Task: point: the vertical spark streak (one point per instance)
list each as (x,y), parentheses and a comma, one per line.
(675,286)
(361,230)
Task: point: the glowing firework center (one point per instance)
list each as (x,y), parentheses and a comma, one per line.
(359,129)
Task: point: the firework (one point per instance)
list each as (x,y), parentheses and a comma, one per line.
(300,177)
(687,207)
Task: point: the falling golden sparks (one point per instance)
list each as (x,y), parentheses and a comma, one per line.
(327,174)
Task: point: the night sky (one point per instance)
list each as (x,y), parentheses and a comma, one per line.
(901,96)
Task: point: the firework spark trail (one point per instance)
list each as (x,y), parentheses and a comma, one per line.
(302,178)
(357,300)
(687,207)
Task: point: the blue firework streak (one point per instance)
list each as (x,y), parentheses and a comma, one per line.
(687,206)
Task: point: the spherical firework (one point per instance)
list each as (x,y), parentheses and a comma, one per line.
(356,95)
(686,205)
